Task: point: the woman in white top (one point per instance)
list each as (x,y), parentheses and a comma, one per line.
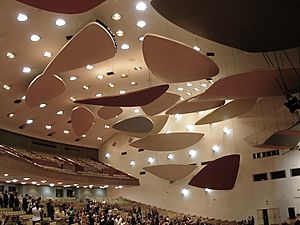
(37,214)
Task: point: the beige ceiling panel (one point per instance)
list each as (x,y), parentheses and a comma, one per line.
(44,88)
(171,172)
(161,104)
(137,124)
(168,142)
(92,44)
(171,61)
(107,112)
(82,120)
(228,111)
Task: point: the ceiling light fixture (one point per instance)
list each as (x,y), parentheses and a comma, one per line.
(48,127)
(99,138)
(66,131)
(226,130)
(141,6)
(124,46)
(141,38)
(26,178)
(196,48)
(10,115)
(141,24)
(120,33)
(189,84)
(111,85)
(136,110)
(122,92)
(47,54)
(26,69)
(98,95)
(86,87)
(60,22)
(73,98)
(124,75)
(132,163)
(106,127)
(192,153)
(180,89)
(133,83)
(6,87)
(150,160)
(10,55)
(60,112)
(170,156)
(137,68)
(100,77)
(89,67)
(107,155)
(35,38)
(22,17)
(43,105)
(215,148)
(116,16)
(30,121)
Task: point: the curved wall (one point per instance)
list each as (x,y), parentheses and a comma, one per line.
(247,196)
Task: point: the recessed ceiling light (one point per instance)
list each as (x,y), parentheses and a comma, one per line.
(60,112)
(10,55)
(196,89)
(215,148)
(51,185)
(180,89)
(73,98)
(133,83)
(89,67)
(122,92)
(38,184)
(35,37)
(124,75)
(23,97)
(60,183)
(30,121)
(14,180)
(86,87)
(141,6)
(192,153)
(170,156)
(124,46)
(34,182)
(177,116)
(137,68)
(8,181)
(5,174)
(136,110)
(98,95)
(43,105)
(111,85)
(23,182)
(189,127)
(189,84)
(72,78)
(181,98)
(43,181)
(141,38)
(100,77)
(60,22)
(185,192)
(22,17)
(10,115)
(26,69)
(47,54)
(141,24)
(226,130)
(26,178)
(120,33)
(116,16)
(189,93)
(107,155)
(106,127)
(204,85)
(99,138)
(196,48)
(48,127)
(66,131)
(84,135)
(132,163)
(6,87)
(150,160)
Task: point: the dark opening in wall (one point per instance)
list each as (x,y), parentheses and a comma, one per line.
(142,172)
(278,174)
(123,153)
(295,172)
(260,177)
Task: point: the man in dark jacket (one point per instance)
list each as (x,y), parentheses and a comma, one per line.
(5,199)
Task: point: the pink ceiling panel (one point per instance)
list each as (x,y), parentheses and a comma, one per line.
(172,62)
(255,84)
(82,120)
(93,43)
(193,105)
(248,25)
(44,88)
(136,98)
(63,6)
(107,112)
(161,104)
(219,174)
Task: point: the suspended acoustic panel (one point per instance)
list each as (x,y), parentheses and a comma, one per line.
(167,142)
(44,88)
(262,83)
(161,104)
(284,139)
(219,174)
(171,172)
(172,62)
(107,112)
(93,43)
(193,105)
(137,124)
(257,29)
(228,111)
(136,98)
(158,124)
(63,6)
(82,120)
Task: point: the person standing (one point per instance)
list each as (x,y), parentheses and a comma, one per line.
(5,199)
(1,199)
(36,214)
(25,203)
(11,200)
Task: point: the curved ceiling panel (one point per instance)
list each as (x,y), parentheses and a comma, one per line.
(171,172)
(219,174)
(161,104)
(167,142)
(253,31)
(137,124)
(93,43)
(136,98)
(44,88)
(228,111)
(172,62)
(108,112)
(63,6)
(82,120)
(158,123)
(263,83)
(193,105)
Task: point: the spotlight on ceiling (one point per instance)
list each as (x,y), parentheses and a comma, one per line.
(292,104)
